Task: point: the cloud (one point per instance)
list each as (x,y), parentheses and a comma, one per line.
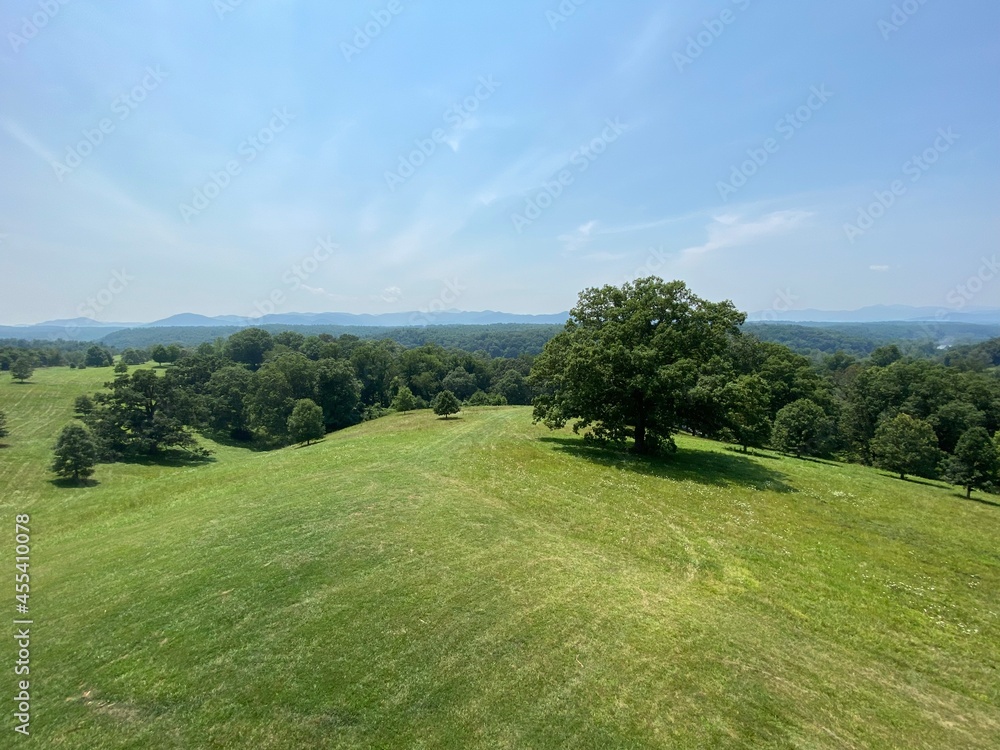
(391,294)
(317,290)
(729,231)
(26,139)
(880,269)
(526,173)
(579,237)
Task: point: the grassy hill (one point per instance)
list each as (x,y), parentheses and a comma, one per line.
(483,583)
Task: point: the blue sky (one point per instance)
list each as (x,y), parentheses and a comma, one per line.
(385,156)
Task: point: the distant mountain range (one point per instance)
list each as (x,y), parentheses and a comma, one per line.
(391,320)
(883,314)
(86,329)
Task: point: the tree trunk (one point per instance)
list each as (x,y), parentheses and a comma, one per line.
(902,475)
(640,432)
(968,491)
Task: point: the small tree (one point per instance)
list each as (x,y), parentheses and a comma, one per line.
(75,453)
(83,405)
(306,421)
(405,400)
(98,357)
(22,368)
(905,445)
(975,464)
(121,368)
(4,432)
(159,354)
(134,357)
(445,404)
(801,427)
(747,400)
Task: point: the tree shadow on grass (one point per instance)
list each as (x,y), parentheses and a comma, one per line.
(693,464)
(752,453)
(73,484)
(310,444)
(812,459)
(176,459)
(910,479)
(224,438)
(980,500)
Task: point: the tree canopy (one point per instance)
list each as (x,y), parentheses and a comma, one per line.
(976,463)
(445,404)
(306,422)
(802,428)
(627,360)
(905,445)
(75,453)
(22,368)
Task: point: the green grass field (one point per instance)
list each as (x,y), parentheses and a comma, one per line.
(483,583)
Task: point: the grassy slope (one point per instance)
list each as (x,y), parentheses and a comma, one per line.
(481,582)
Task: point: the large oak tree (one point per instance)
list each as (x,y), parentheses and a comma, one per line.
(628,359)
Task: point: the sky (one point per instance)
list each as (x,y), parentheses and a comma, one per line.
(247,157)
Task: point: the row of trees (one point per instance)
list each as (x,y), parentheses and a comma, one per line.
(648,359)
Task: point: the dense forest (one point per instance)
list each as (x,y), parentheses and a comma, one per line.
(498,340)
(514,339)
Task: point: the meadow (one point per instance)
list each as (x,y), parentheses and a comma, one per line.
(481,582)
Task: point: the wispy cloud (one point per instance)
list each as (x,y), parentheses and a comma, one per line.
(880,269)
(524,174)
(646,43)
(92,183)
(573,241)
(317,290)
(26,139)
(729,230)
